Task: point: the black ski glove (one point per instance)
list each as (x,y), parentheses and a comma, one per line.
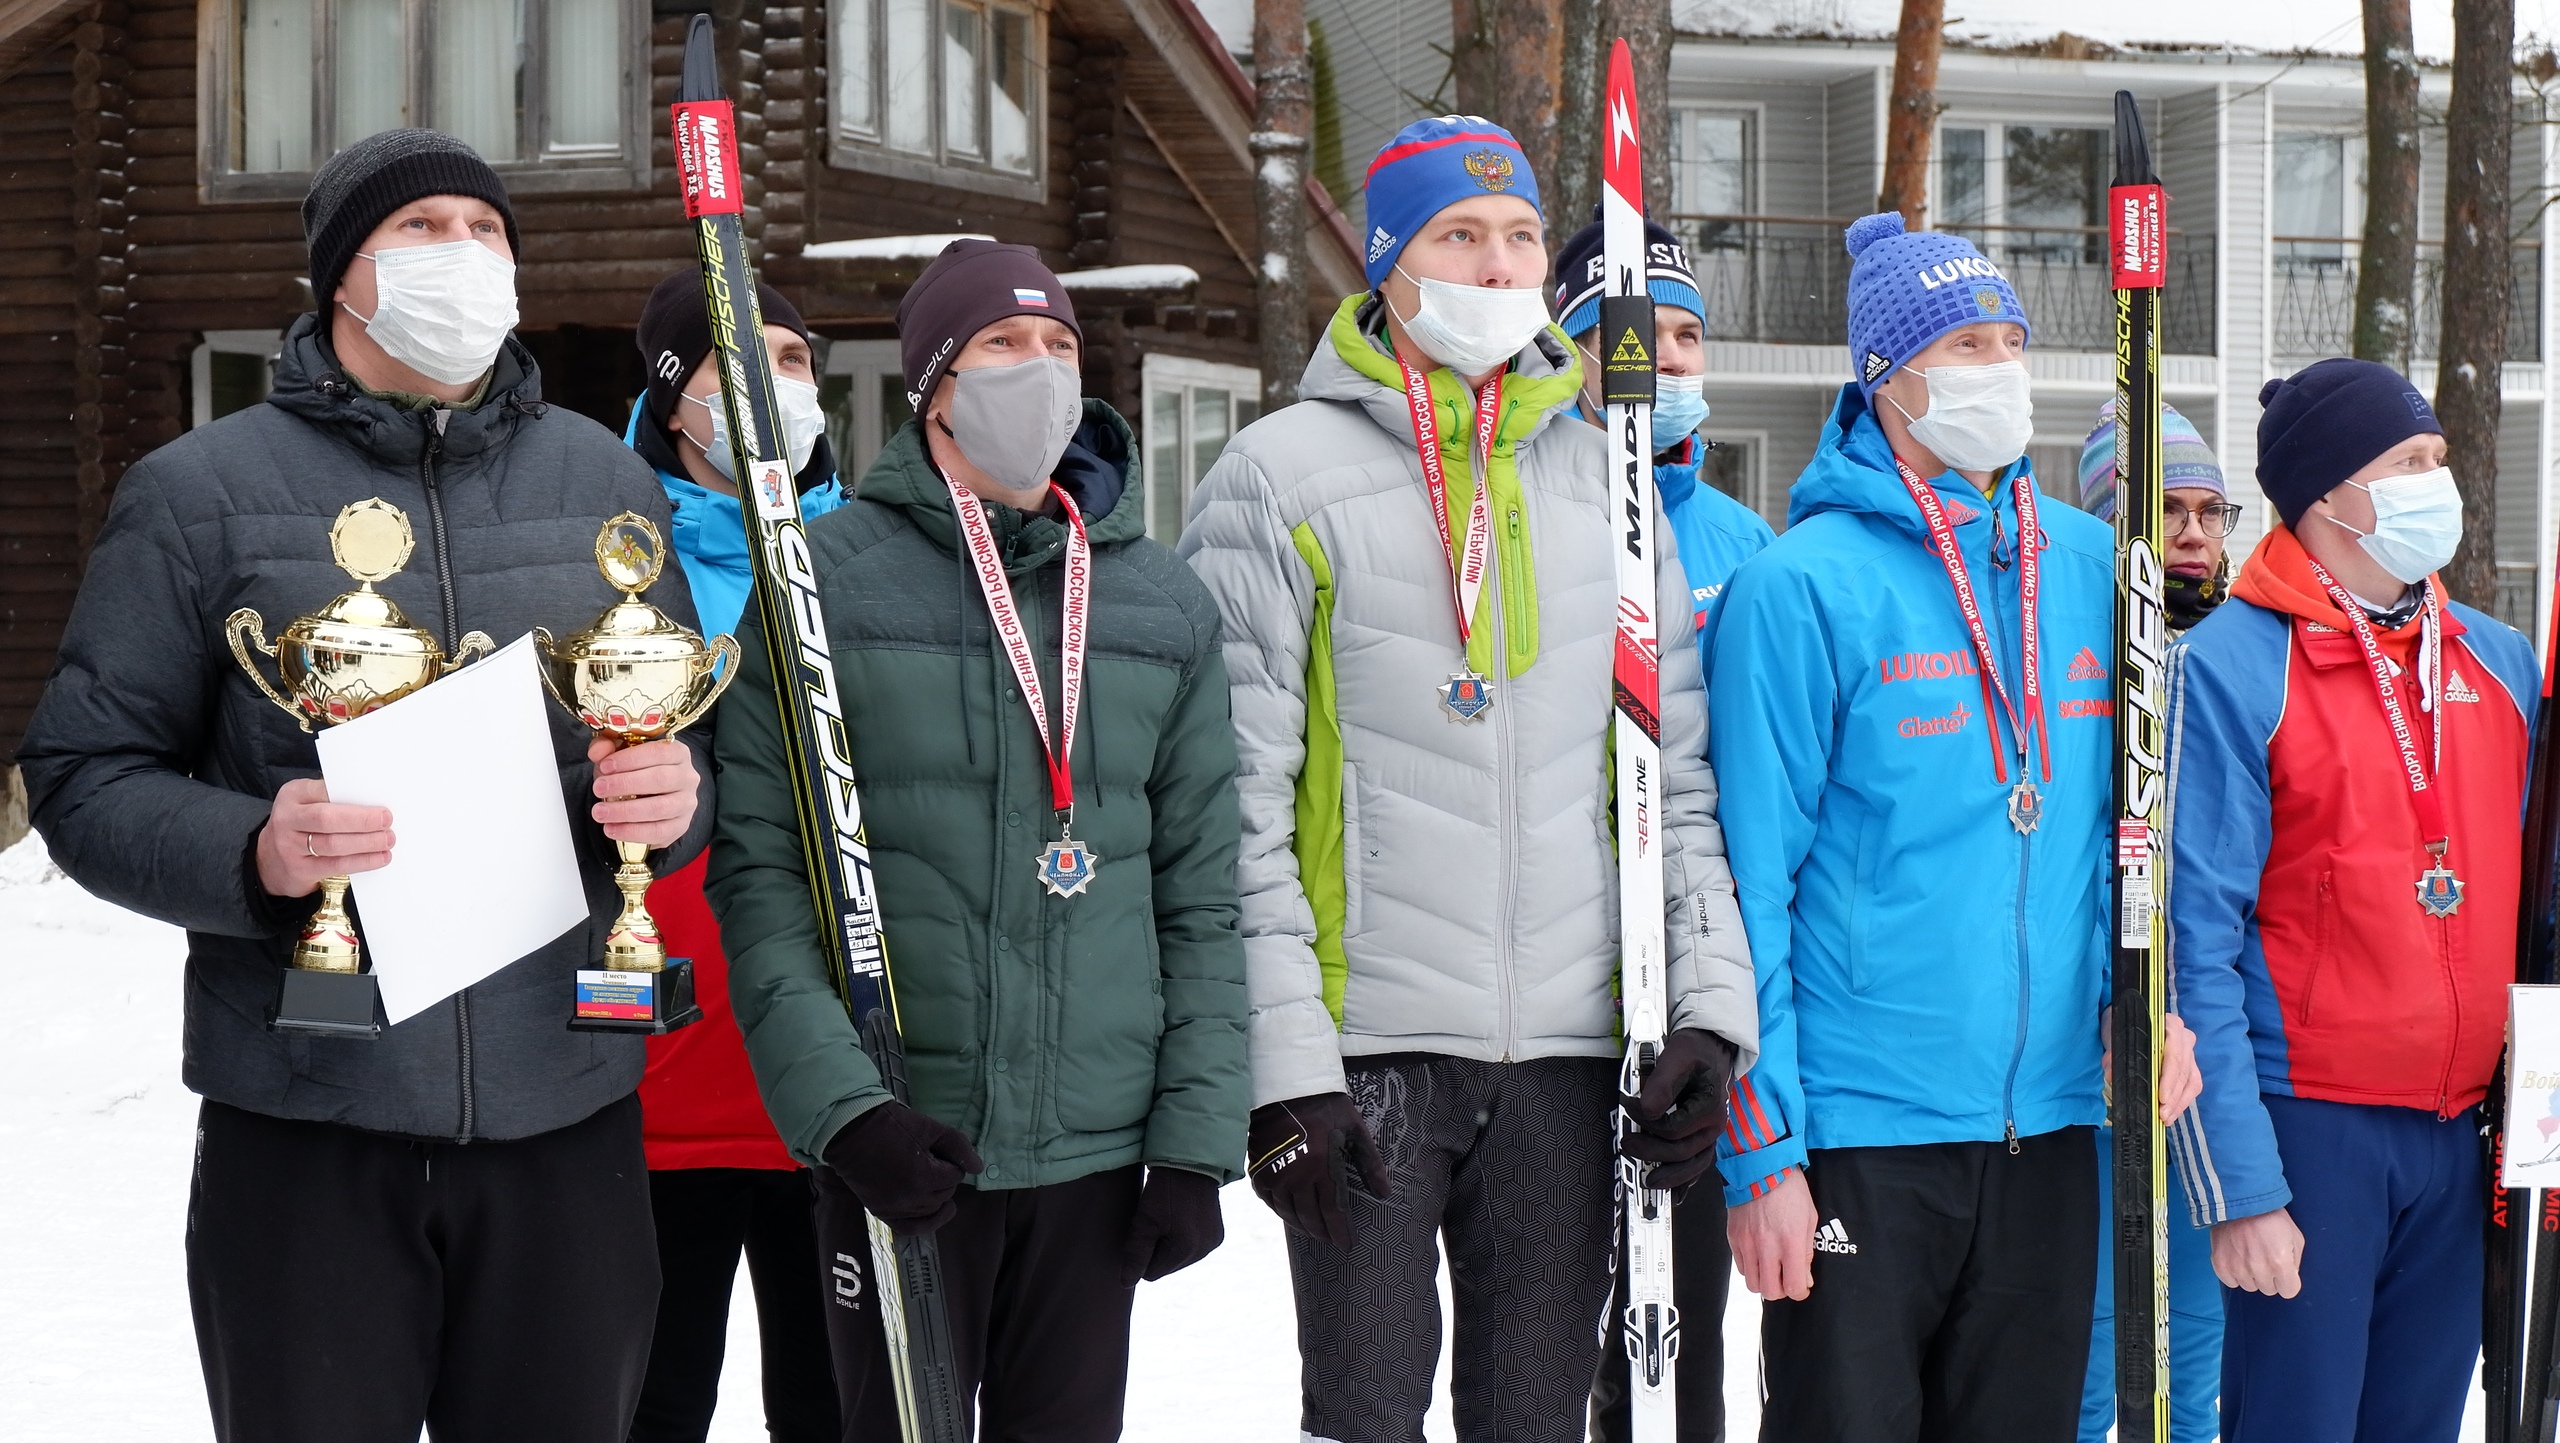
(1681,1108)
(902,1166)
(1178,1224)
(1303,1151)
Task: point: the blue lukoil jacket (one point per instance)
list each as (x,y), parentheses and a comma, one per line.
(711,538)
(1925,972)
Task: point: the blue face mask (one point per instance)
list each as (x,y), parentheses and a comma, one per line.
(1679,407)
(2417,523)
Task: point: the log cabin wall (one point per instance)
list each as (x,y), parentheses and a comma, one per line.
(40,461)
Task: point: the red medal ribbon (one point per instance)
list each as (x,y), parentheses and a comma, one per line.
(1073,611)
(1942,539)
(2422,791)
(1466,567)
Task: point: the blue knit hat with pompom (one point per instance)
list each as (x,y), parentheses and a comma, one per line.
(1906,289)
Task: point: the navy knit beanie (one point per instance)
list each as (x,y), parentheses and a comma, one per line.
(1581,276)
(1907,290)
(356,189)
(2329,420)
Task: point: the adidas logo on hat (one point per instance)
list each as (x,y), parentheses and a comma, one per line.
(1876,366)
(1831,1237)
(1379,243)
(2086,667)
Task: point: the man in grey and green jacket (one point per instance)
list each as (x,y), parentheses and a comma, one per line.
(1429,887)
(1075,1041)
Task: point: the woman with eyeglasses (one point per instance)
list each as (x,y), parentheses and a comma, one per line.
(2196,515)
(2196,512)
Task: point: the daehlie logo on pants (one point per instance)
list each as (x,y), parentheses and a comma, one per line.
(1831,1237)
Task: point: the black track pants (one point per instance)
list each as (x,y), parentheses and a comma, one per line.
(350,1286)
(1952,1287)
(1701,1268)
(706,1216)
(1508,1166)
(1039,1318)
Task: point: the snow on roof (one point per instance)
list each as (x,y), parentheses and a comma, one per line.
(1131,278)
(886,247)
(2333,27)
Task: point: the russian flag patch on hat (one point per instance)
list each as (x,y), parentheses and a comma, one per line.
(1025,296)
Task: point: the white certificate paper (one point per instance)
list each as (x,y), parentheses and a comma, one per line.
(2533,1088)
(483,870)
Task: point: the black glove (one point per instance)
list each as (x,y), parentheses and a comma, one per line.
(1681,1108)
(903,1166)
(1303,1151)
(1178,1224)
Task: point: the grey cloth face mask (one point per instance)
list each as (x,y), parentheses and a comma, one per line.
(1014,422)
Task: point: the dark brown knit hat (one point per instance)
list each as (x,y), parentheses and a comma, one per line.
(970,286)
(675,334)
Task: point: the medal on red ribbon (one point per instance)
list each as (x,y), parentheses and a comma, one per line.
(1066,865)
(1468,693)
(2439,890)
(2024,714)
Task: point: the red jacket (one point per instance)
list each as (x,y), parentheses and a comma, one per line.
(2303,960)
(698,1101)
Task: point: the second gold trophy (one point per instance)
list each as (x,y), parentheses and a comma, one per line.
(635,675)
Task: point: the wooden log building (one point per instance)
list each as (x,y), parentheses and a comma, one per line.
(153,154)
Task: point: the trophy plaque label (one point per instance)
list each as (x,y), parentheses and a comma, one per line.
(618,996)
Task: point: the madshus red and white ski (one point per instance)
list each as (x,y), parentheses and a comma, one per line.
(1650,1325)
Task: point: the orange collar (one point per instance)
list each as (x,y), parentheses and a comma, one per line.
(2278,576)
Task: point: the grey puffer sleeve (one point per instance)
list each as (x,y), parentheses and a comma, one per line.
(1240,545)
(1710,962)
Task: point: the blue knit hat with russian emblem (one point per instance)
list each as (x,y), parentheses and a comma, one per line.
(1906,289)
(1430,166)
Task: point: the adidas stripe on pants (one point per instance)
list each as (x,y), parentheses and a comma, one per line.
(1952,1286)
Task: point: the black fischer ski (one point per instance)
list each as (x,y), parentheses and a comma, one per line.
(906,1273)
(2137,234)
(2520,1299)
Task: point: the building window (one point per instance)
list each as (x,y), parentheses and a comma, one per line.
(947,91)
(1191,409)
(2319,200)
(2025,190)
(1714,160)
(1730,462)
(231,371)
(865,396)
(550,92)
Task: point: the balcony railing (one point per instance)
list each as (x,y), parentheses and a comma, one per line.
(2519,593)
(1786,279)
(2313,298)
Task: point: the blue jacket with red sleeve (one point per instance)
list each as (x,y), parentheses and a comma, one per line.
(2303,961)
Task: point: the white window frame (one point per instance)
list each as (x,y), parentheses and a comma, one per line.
(849,147)
(1159,373)
(2352,163)
(865,363)
(1995,159)
(621,167)
(262,344)
(1756,146)
(1755,482)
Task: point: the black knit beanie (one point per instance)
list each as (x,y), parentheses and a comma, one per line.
(675,334)
(970,286)
(356,188)
(2329,420)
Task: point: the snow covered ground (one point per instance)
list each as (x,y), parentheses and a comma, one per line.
(95,1341)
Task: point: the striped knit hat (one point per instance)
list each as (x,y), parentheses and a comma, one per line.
(2185,460)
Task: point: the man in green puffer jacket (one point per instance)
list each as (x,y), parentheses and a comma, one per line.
(1068,973)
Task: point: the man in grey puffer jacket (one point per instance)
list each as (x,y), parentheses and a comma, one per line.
(1429,887)
(448,1225)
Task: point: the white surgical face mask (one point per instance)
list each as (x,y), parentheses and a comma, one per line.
(2417,523)
(1679,407)
(442,310)
(1473,329)
(1979,418)
(803,422)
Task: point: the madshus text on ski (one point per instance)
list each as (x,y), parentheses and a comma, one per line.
(1480,831)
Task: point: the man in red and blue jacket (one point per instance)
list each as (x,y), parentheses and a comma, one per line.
(2343,935)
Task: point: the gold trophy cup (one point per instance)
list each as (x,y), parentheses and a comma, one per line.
(636,675)
(353,656)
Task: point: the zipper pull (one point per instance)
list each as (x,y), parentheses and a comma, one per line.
(2012,1130)
(1515,524)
